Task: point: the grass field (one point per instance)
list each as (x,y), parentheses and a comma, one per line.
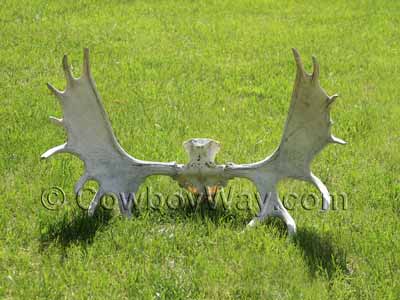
(172,70)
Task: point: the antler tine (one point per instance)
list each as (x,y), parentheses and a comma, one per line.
(315,74)
(52,151)
(300,67)
(56,92)
(332,99)
(326,197)
(95,202)
(81,182)
(67,70)
(335,140)
(56,121)
(86,61)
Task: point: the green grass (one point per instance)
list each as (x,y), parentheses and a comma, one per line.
(172,70)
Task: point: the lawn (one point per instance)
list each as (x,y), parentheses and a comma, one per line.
(169,71)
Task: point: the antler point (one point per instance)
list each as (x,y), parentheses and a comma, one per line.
(332,98)
(86,64)
(55,91)
(299,64)
(81,182)
(67,70)
(55,150)
(336,140)
(56,121)
(65,61)
(315,73)
(86,53)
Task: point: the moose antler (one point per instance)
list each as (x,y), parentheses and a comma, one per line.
(90,137)
(307,132)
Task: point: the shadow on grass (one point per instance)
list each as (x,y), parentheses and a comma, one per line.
(276,224)
(217,214)
(75,227)
(207,212)
(320,253)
